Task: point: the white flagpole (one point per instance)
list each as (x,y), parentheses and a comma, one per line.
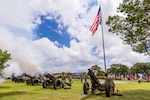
(103,39)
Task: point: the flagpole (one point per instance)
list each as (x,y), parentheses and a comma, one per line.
(103,40)
(98,20)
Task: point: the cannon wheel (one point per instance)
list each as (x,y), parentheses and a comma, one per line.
(46,84)
(107,89)
(34,82)
(57,84)
(85,87)
(93,87)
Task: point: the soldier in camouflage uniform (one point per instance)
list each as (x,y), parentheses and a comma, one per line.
(41,78)
(111,82)
(63,79)
(95,71)
(70,78)
(81,77)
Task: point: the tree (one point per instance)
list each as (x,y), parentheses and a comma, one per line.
(141,68)
(134,26)
(118,69)
(4,57)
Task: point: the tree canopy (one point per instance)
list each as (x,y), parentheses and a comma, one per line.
(132,24)
(4,57)
(118,69)
(141,68)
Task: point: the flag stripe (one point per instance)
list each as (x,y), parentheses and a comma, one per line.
(96,22)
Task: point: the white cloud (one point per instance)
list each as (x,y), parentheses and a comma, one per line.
(19,18)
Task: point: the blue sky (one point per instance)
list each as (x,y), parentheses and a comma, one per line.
(51,36)
(50,29)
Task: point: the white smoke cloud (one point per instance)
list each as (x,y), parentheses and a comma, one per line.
(12,69)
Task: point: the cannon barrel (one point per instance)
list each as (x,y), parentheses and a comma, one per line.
(93,78)
(51,77)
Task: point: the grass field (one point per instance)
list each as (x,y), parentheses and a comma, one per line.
(20,91)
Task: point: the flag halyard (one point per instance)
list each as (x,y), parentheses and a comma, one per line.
(96,22)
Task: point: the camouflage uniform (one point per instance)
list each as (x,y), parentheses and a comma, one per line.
(70,79)
(81,77)
(63,79)
(111,82)
(95,72)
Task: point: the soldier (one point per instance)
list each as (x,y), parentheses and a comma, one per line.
(41,78)
(95,71)
(110,81)
(81,77)
(63,79)
(70,78)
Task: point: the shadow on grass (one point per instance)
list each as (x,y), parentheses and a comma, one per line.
(9,94)
(13,93)
(93,96)
(127,95)
(4,87)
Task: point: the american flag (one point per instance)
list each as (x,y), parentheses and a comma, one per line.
(96,22)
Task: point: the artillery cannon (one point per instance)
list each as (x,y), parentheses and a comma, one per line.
(51,81)
(108,85)
(19,78)
(32,80)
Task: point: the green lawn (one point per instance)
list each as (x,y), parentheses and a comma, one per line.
(130,90)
